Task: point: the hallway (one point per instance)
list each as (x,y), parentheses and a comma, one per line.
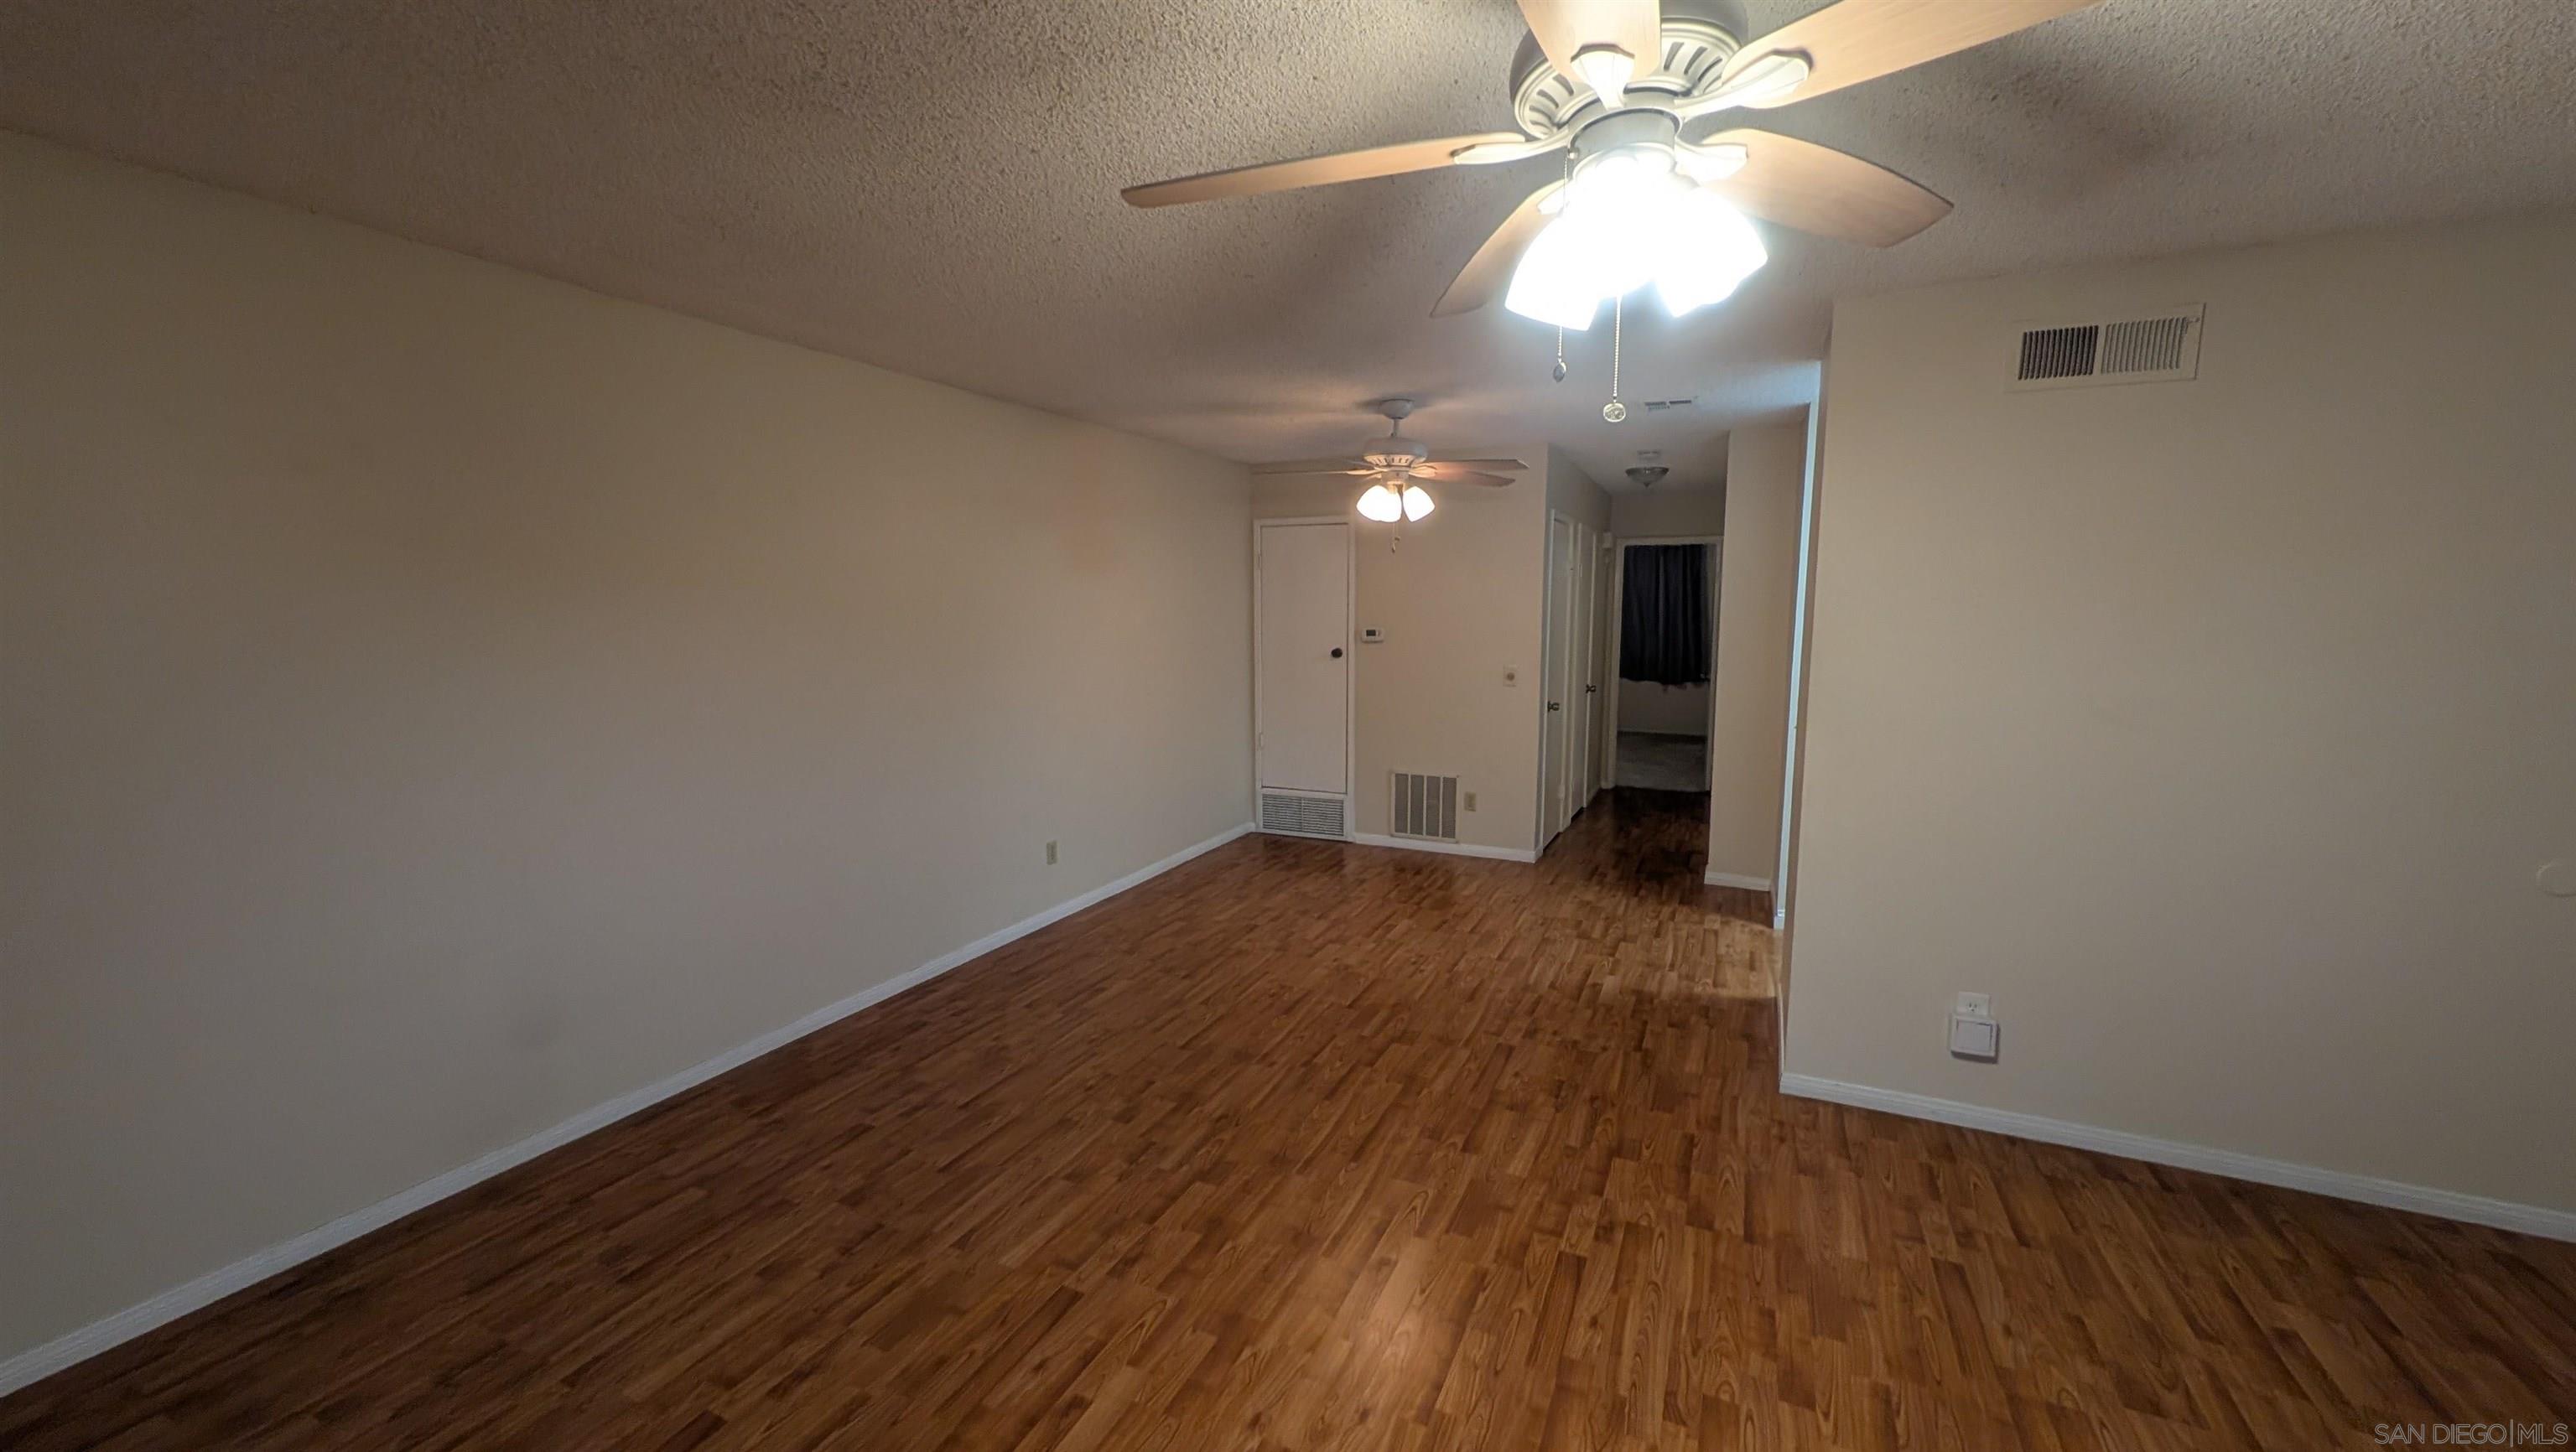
(1305,1145)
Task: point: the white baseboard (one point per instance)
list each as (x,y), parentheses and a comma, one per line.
(1731,879)
(2449,1205)
(28,1367)
(1452,849)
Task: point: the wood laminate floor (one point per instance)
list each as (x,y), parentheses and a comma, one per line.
(1310,1146)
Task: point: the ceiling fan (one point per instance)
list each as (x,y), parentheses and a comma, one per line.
(1399,466)
(1613,83)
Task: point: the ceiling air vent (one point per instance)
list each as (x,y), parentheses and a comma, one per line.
(2162,347)
(1664,405)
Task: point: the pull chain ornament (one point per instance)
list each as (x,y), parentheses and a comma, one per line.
(1614,411)
(1559,374)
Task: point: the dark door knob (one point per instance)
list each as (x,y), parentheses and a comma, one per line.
(1337,652)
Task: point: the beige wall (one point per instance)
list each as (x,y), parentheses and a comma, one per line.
(1664,710)
(1460,601)
(1757,604)
(438,701)
(1668,510)
(1661,512)
(2217,729)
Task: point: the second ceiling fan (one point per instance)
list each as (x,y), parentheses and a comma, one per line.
(1612,83)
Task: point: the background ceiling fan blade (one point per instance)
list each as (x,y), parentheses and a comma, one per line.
(1830,193)
(1315,466)
(1857,40)
(1566,26)
(1483,278)
(1477,464)
(1312,171)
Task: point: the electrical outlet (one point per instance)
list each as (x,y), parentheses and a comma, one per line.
(1974,1034)
(1471,801)
(1050,854)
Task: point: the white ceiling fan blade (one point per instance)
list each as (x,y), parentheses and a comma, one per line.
(1566,27)
(1858,40)
(1466,476)
(1827,192)
(1477,464)
(1313,171)
(1486,274)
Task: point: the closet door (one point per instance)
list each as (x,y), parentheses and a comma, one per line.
(1303,600)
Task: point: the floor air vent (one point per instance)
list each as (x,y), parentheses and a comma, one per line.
(1422,806)
(2163,348)
(1301,815)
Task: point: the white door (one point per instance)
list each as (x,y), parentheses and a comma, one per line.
(1605,663)
(1303,619)
(1587,696)
(1556,679)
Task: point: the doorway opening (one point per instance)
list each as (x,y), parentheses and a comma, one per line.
(1664,702)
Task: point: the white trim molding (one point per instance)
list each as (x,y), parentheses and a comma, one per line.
(1715,878)
(2423,1200)
(37,1363)
(1452,849)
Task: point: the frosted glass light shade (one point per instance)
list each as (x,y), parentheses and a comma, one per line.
(1709,250)
(1381,504)
(1417,501)
(1627,223)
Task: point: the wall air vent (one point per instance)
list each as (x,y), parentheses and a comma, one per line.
(2159,347)
(1302,814)
(1422,806)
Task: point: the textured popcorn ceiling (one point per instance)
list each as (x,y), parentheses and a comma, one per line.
(932,186)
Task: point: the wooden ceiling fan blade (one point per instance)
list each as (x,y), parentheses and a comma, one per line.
(1315,466)
(1858,40)
(1312,171)
(1564,27)
(1818,189)
(1486,274)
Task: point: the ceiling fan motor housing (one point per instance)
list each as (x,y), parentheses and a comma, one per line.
(1699,36)
(1393,453)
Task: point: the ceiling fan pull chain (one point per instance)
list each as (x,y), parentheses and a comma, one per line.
(1614,410)
(1559,375)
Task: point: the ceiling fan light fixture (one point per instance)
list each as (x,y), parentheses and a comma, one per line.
(1554,279)
(1382,504)
(1634,216)
(1417,501)
(1709,249)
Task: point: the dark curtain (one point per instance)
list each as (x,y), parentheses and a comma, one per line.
(1664,620)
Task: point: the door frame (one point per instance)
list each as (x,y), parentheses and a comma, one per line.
(1350,652)
(1618,612)
(1547,830)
